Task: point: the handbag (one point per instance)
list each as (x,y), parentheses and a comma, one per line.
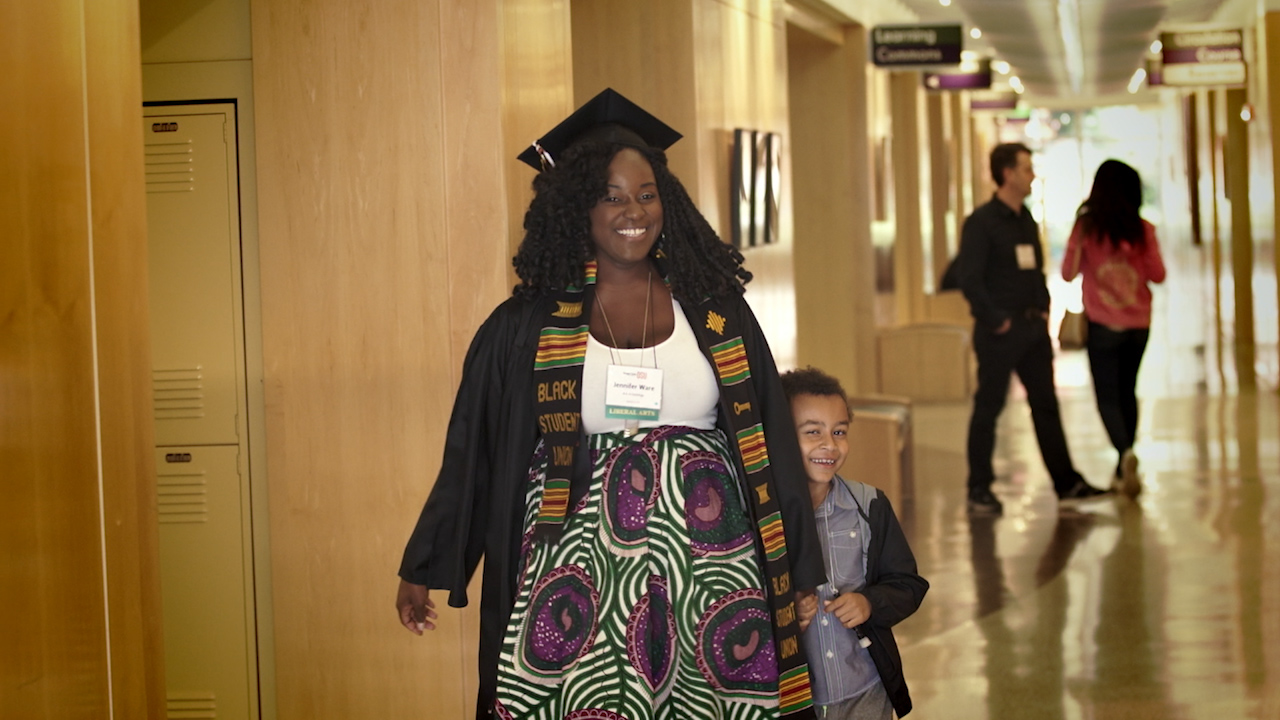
(1073,333)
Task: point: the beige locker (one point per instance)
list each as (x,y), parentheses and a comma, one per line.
(197,337)
(193,226)
(204,581)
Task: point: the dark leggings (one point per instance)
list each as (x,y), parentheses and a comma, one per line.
(1114,357)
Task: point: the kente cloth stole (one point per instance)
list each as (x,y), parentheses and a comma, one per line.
(557,375)
(718,336)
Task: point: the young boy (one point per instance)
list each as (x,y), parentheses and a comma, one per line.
(872,579)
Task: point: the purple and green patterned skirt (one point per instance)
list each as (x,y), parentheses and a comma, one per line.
(652,603)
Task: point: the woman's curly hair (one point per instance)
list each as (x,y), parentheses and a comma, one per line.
(557,241)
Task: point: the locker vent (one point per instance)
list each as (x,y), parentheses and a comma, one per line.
(170,167)
(191,705)
(178,393)
(183,497)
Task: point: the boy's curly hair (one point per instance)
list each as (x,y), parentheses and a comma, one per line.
(557,241)
(811,381)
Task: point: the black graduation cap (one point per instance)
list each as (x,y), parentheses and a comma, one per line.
(607,117)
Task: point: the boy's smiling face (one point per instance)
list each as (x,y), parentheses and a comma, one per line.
(822,424)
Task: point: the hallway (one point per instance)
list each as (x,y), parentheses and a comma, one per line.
(1167,606)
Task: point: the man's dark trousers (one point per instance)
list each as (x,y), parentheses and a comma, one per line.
(1027,350)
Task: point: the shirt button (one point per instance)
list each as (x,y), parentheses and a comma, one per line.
(830,654)
(853,533)
(824,621)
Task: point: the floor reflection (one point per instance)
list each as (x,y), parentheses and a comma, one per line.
(1165,606)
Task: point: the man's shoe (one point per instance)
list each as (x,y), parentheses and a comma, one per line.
(1082,491)
(1127,481)
(984,502)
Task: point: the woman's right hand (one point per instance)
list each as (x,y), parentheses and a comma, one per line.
(415,607)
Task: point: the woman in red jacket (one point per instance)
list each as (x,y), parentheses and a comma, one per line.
(1117,253)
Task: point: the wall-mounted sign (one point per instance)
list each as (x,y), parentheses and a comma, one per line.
(1202,57)
(982,101)
(897,45)
(969,76)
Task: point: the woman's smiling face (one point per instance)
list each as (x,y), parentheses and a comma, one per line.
(627,221)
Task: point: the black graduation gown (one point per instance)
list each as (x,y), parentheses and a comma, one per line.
(476,507)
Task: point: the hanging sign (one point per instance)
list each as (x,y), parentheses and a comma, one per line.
(969,76)
(898,45)
(1202,57)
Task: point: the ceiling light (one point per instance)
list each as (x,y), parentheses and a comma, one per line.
(1157,46)
(1135,82)
(1065,118)
(975,33)
(1016,83)
(1000,66)
(968,56)
(1246,112)
(944,3)
(1069,26)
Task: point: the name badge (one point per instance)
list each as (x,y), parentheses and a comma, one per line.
(632,393)
(1026,256)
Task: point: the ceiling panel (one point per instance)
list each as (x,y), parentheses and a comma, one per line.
(1096,57)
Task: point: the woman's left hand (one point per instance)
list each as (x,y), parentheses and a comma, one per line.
(806,608)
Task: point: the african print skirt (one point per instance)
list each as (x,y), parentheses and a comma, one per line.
(651,605)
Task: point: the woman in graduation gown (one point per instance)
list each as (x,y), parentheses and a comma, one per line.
(622,456)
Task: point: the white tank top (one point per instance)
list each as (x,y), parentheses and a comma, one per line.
(690,392)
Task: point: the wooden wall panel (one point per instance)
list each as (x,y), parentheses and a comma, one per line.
(537,92)
(834,261)
(740,63)
(74,405)
(644,52)
(705,67)
(384,244)
(127,432)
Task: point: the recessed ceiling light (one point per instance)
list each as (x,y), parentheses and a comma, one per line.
(975,33)
(1157,46)
(1001,67)
(944,3)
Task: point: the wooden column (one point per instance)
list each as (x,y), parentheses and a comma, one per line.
(1236,161)
(79,608)
(961,163)
(940,176)
(1272,29)
(908,191)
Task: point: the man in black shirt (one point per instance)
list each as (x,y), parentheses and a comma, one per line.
(1001,271)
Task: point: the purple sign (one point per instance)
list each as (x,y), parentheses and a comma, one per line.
(967,78)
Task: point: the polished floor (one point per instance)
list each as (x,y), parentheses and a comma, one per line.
(1166,606)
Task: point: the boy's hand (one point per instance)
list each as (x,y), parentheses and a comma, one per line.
(806,608)
(851,609)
